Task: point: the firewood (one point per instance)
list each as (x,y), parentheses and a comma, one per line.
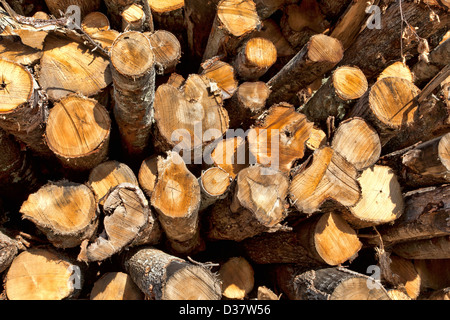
(257,205)
(167,50)
(381,199)
(9,249)
(235,21)
(388,106)
(148,175)
(328,177)
(301,21)
(86,6)
(397,294)
(254,58)
(279,138)
(223,74)
(199,18)
(334,9)
(336,96)
(318,56)
(428,163)
(435,248)
(105,38)
(266,8)
(114,9)
(14,50)
(265,293)
(317,139)
(128,219)
(434,273)
(424,71)
(214,184)
(108,175)
(424,217)
(404,276)
(247,104)
(94,22)
(69,67)
(357,142)
(183,116)
(176,198)
(237,277)
(271,31)
(133,18)
(168,15)
(231,154)
(78,132)
(65,212)
(165,277)
(397,69)
(324,239)
(43,274)
(385,46)
(443,294)
(337,284)
(22,107)
(133,73)
(115,286)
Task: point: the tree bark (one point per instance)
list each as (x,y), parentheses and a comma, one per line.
(435,248)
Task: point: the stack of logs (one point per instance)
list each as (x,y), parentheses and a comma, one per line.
(225,149)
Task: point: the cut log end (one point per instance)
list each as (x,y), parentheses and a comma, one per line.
(165,6)
(237,278)
(115,286)
(94,22)
(16,86)
(133,18)
(238,17)
(350,83)
(167,50)
(215,181)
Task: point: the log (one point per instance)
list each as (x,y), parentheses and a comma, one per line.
(165,277)
(402,274)
(443,294)
(385,42)
(199,18)
(357,142)
(381,200)
(86,6)
(128,220)
(247,104)
(265,293)
(167,50)
(168,15)
(434,273)
(271,31)
(223,74)
(318,56)
(94,22)
(424,217)
(397,69)
(337,95)
(78,132)
(425,71)
(231,154)
(324,239)
(388,106)
(9,249)
(329,177)
(333,9)
(148,175)
(301,21)
(396,294)
(176,198)
(237,277)
(257,205)
(214,185)
(115,286)
(337,284)
(114,9)
(235,21)
(70,67)
(254,58)
(435,248)
(43,274)
(133,18)
(12,49)
(279,138)
(107,176)
(133,73)
(189,118)
(64,211)
(22,107)
(428,163)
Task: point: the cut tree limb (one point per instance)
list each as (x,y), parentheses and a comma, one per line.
(133,18)
(223,74)
(115,286)
(435,248)
(85,6)
(168,15)
(237,277)
(439,57)
(214,184)
(167,50)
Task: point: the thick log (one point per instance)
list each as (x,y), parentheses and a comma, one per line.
(279,137)
(168,15)
(223,74)
(22,107)
(318,56)
(434,273)
(78,132)
(397,69)
(254,58)
(133,72)
(435,248)
(231,154)
(357,142)
(94,22)
(425,71)
(115,286)
(176,198)
(85,6)
(167,50)
(235,21)
(214,184)
(65,212)
(329,177)
(337,95)
(401,274)
(12,49)
(425,216)
(322,240)
(256,205)
(237,277)
(165,277)
(43,274)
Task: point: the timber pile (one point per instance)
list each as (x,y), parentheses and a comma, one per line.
(127,171)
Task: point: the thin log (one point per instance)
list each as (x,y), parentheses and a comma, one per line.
(133,18)
(94,22)
(115,286)
(237,277)
(214,184)
(424,71)
(167,50)
(435,248)
(85,6)
(223,74)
